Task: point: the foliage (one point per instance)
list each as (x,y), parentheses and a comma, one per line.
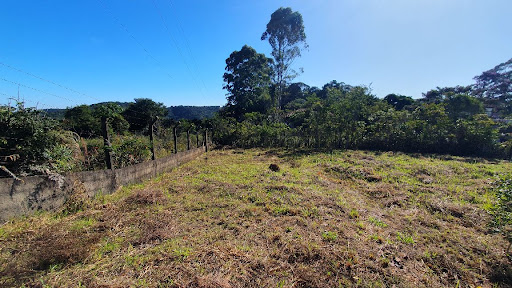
(80,119)
(502,210)
(399,102)
(192,112)
(285,32)
(113,112)
(495,83)
(462,106)
(130,150)
(494,86)
(344,116)
(142,113)
(247,81)
(32,141)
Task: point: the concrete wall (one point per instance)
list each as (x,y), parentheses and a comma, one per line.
(42,193)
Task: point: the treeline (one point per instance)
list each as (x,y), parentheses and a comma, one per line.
(265,109)
(340,116)
(33,143)
(174,112)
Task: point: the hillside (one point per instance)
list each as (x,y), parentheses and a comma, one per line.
(175,112)
(346,219)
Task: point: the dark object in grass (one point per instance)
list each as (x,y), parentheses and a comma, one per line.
(274,167)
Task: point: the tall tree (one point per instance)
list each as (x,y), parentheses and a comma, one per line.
(142,113)
(247,78)
(495,83)
(495,87)
(285,33)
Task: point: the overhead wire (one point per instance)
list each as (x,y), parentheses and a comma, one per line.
(37,90)
(187,43)
(133,37)
(48,81)
(175,42)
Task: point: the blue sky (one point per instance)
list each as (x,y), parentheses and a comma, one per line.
(174,52)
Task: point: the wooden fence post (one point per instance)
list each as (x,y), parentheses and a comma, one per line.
(175,139)
(188,139)
(107,146)
(151,139)
(206,140)
(197,138)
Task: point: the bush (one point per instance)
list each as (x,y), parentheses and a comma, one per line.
(31,143)
(130,150)
(502,210)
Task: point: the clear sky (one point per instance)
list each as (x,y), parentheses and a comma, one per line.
(63,53)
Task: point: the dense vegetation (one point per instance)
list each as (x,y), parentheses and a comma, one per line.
(346,219)
(34,143)
(266,109)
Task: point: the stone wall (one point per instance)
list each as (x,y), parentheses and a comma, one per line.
(35,193)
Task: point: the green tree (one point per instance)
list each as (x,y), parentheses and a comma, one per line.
(495,86)
(495,83)
(247,79)
(462,106)
(142,113)
(113,112)
(476,136)
(398,101)
(429,129)
(80,119)
(285,33)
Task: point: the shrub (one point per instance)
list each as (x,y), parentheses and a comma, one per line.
(502,210)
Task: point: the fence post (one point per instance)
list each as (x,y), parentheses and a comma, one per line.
(107,146)
(188,139)
(206,139)
(197,138)
(175,139)
(151,139)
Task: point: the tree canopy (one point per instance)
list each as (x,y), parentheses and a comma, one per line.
(285,33)
(247,80)
(142,113)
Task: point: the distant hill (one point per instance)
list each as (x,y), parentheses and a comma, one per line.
(192,112)
(175,112)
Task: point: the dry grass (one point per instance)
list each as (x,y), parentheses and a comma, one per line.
(348,219)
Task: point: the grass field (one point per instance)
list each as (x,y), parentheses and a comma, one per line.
(342,219)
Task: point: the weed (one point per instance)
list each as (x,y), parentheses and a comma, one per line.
(310,212)
(329,236)
(377,222)
(353,214)
(281,210)
(376,238)
(404,238)
(181,253)
(83,224)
